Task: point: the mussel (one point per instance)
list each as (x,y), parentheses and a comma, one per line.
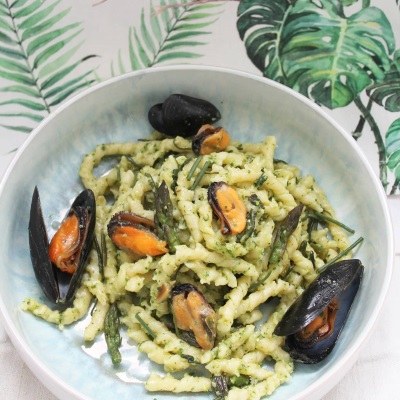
(314,321)
(210,139)
(182,115)
(59,266)
(134,234)
(194,319)
(228,207)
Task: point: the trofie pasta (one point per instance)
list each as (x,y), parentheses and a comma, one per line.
(190,285)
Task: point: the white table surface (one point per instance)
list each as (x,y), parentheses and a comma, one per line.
(376,373)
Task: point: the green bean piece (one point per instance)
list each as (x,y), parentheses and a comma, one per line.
(341,254)
(283,232)
(326,218)
(164,220)
(111,333)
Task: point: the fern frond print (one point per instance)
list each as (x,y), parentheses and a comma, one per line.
(36,59)
(167,34)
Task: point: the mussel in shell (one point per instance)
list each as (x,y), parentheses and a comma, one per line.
(228,207)
(194,319)
(210,139)
(182,115)
(315,320)
(59,266)
(134,234)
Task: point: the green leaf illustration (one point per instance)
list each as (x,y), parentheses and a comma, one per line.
(167,33)
(387,92)
(313,48)
(37,57)
(393,152)
(260,26)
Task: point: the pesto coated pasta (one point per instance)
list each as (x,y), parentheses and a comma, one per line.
(233,274)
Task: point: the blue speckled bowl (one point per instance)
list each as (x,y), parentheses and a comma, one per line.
(117,111)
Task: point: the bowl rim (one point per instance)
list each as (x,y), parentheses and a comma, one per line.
(57,386)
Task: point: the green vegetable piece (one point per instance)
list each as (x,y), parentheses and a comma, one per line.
(239,381)
(165,225)
(145,327)
(326,218)
(220,386)
(111,333)
(283,232)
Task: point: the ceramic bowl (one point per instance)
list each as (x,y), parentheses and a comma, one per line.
(115,111)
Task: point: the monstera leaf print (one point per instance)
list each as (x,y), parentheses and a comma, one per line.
(393,152)
(320,52)
(260,26)
(37,60)
(168,34)
(387,92)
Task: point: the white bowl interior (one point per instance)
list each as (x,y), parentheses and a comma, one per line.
(117,111)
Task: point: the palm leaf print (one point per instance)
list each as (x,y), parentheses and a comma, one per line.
(393,151)
(37,60)
(169,33)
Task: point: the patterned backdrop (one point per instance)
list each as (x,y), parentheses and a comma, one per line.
(342,54)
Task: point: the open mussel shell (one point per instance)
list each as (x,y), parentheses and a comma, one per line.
(182,115)
(58,286)
(134,234)
(194,319)
(336,287)
(228,207)
(210,139)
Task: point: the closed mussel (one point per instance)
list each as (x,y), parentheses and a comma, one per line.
(194,319)
(228,207)
(59,266)
(210,139)
(182,115)
(313,323)
(134,234)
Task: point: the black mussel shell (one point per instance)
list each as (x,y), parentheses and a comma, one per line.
(182,115)
(339,281)
(60,287)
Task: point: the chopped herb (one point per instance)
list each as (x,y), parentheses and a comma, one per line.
(255,200)
(133,162)
(175,174)
(99,257)
(151,181)
(341,254)
(200,175)
(260,180)
(94,307)
(145,327)
(250,226)
(323,218)
(194,167)
(189,358)
(239,381)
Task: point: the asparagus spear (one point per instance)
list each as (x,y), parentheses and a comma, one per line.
(163,217)
(111,333)
(283,232)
